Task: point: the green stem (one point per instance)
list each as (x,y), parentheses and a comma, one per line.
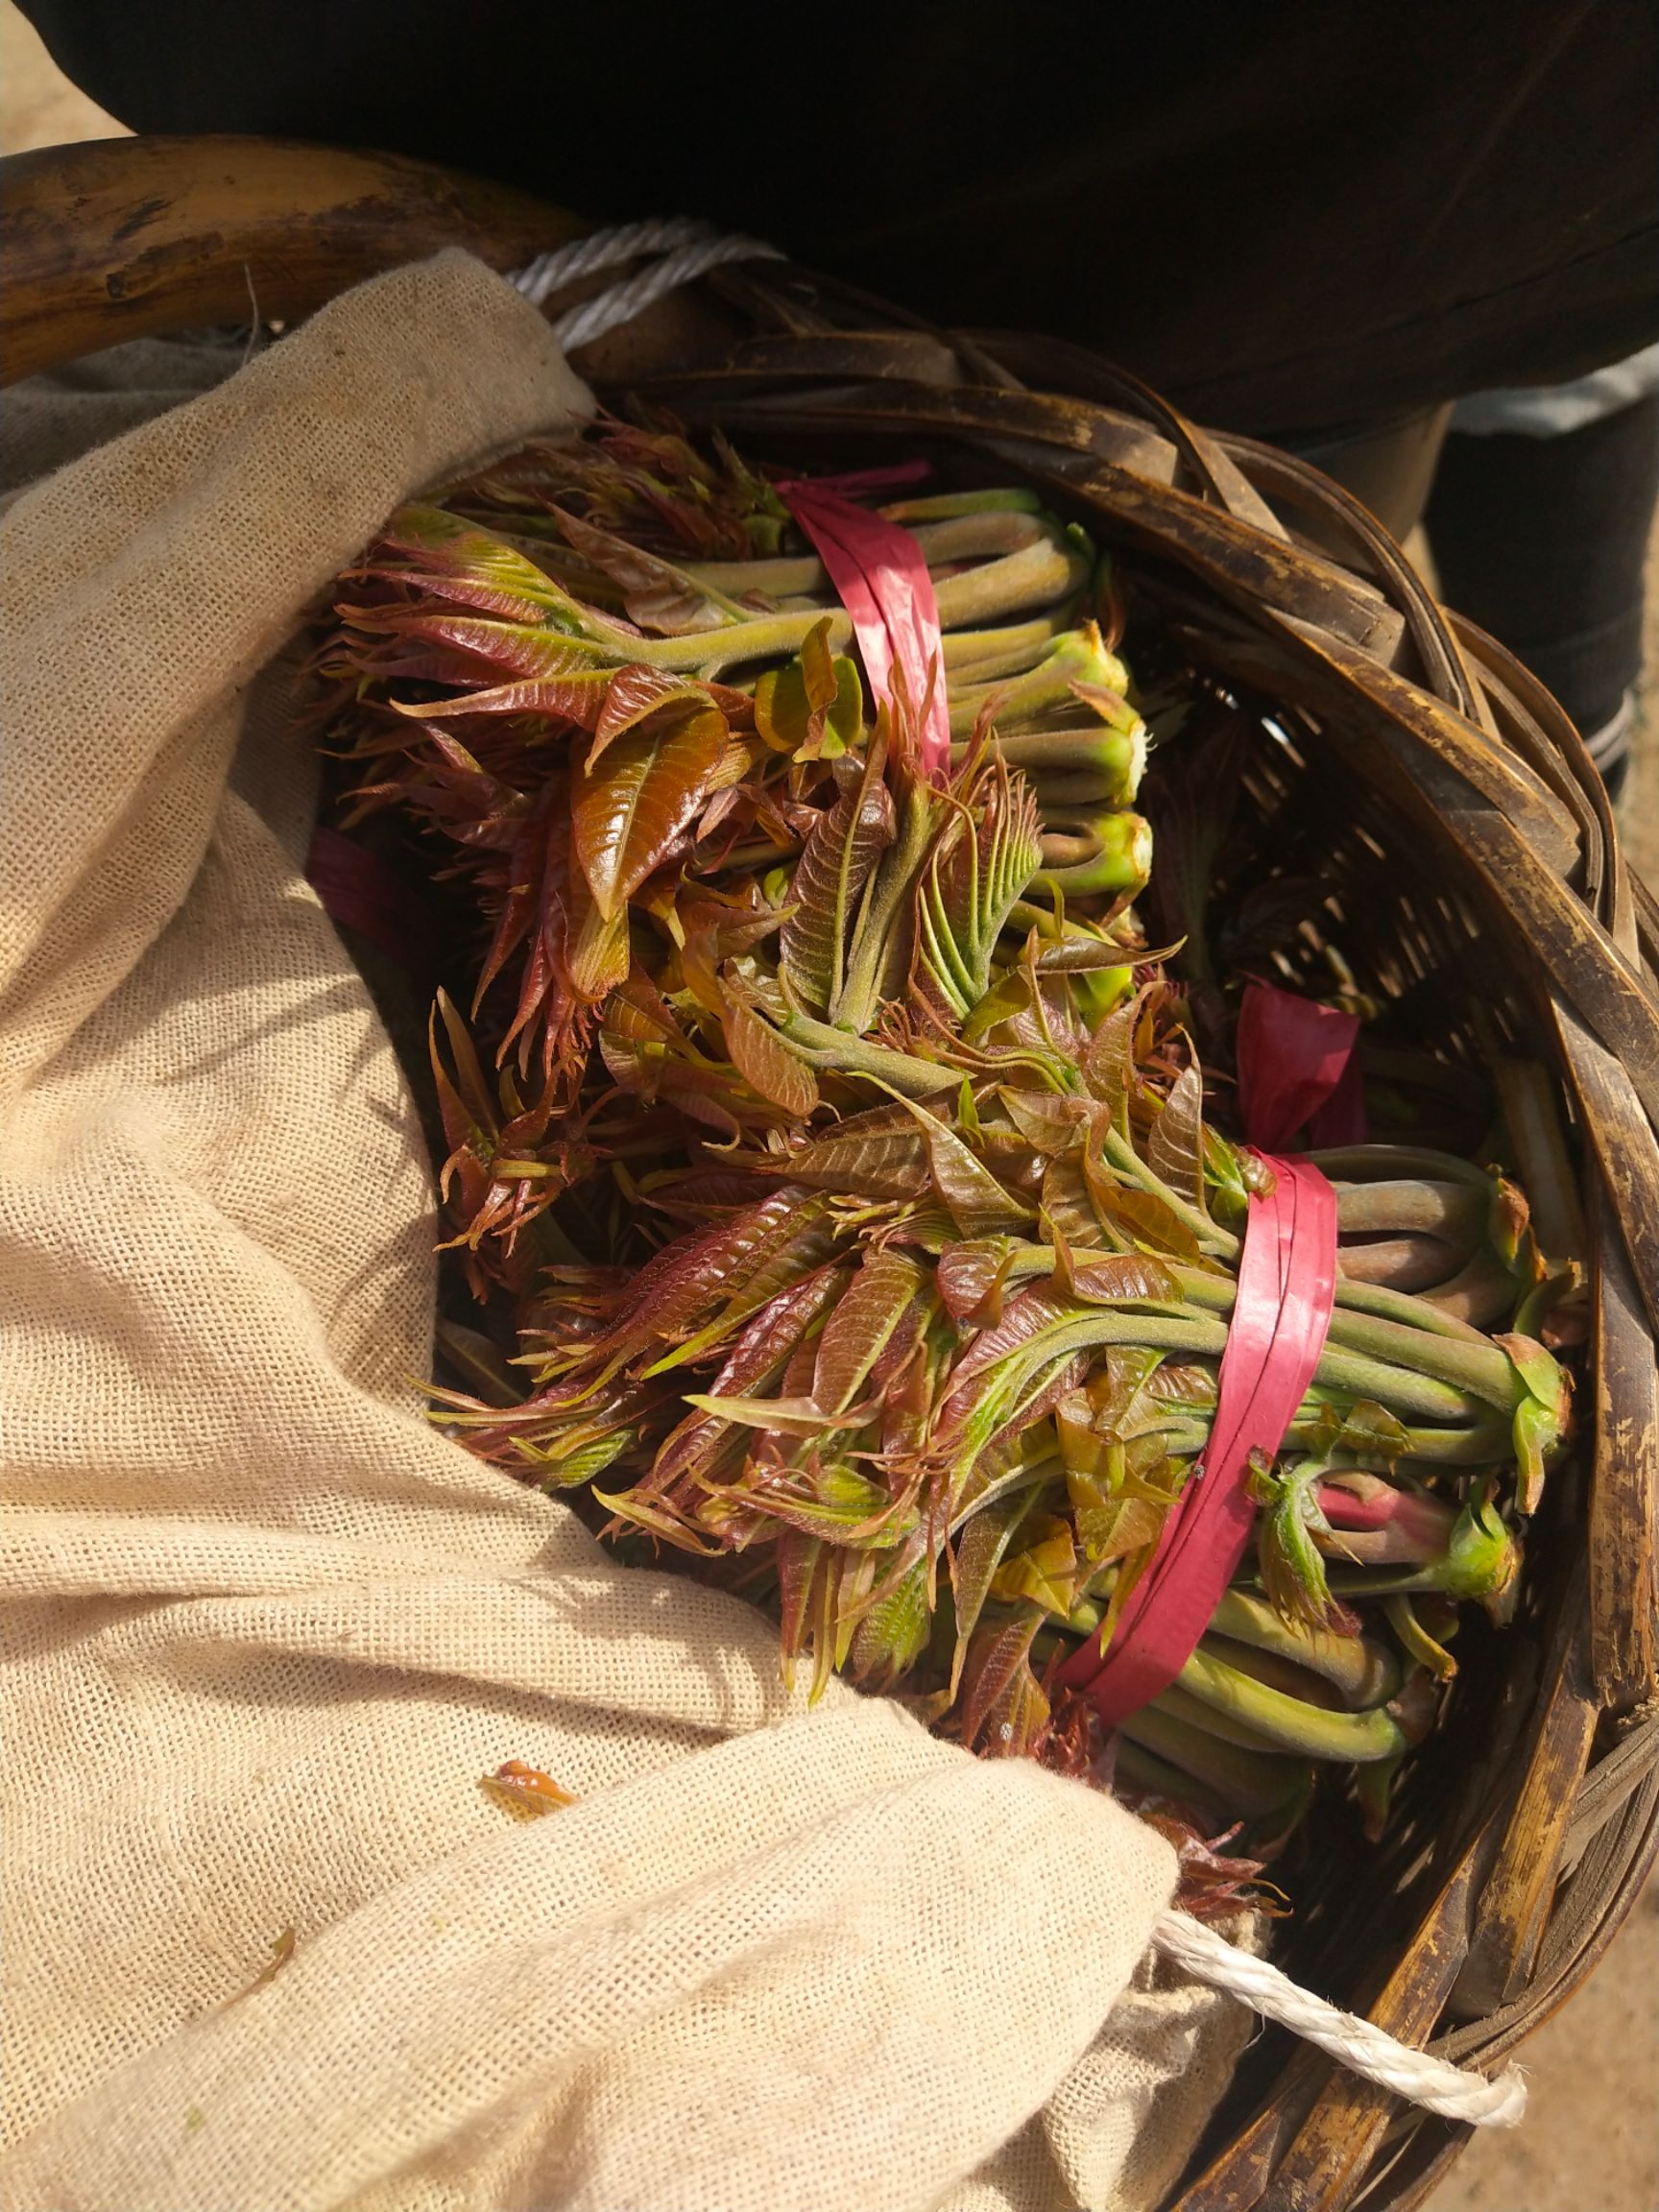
(1411,1310)
(886,902)
(1307,1685)
(1211,1237)
(1357,1670)
(981,533)
(999,586)
(934,506)
(1256,1784)
(1531,1114)
(1141,1769)
(1483,1290)
(1077,657)
(1416,1639)
(1108,856)
(821,1045)
(1036,576)
(1061,797)
(1474,1365)
(1453,1211)
(1402,1390)
(1286,1722)
(1410,1370)
(1225,1727)
(1007,648)
(1397,1162)
(1114,757)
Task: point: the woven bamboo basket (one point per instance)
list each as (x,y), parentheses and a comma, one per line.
(1412,795)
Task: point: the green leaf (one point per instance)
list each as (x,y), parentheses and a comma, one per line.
(878,1154)
(740,1267)
(635,695)
(764,1060)
(837,1503)
(1005,1001)
(1292,1568)
(627,814)
(1127,1371)
(1507,1222)
(1115,1514)
(1111,1063)
(757,1362)
(640,1513)
(1142,1218)
(799,1561)
(462,561)
(1128,1277)
(1537,1436)
(1026,1318)
(893,1633)
(977,1201)
(1003,1713)
(468,1109)
(1541,1415)
(596,956)
(831,877)
(978,1554)
(885,1289)
(1366,1432)
(813,707)
(788,1416)
(552,675)
(1043,1571)
(1068,1206)
(568,1469)
(1175,1148)
(656,595)
(972,1276)
(1048,1121)
(980,867)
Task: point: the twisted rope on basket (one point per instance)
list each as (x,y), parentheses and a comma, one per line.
(1362,2046)
(684,251)
(688,250)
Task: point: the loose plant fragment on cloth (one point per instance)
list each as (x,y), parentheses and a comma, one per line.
(281,1948)
(832,1156)
(524,1791)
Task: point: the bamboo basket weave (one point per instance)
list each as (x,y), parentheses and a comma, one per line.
(1416,798)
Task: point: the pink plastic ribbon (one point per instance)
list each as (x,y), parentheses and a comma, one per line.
(1297,1071)
(880,575)
(1287,1288)
(865,483)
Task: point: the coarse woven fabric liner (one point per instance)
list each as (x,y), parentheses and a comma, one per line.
(264,1629)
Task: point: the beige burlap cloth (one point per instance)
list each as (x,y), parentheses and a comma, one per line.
(264,1629)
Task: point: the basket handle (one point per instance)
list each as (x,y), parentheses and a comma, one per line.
(129,237)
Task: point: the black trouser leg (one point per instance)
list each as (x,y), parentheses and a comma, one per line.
(1543,540)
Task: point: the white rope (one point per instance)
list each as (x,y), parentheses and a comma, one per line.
(687,250)
(551,271)
(1362,2046)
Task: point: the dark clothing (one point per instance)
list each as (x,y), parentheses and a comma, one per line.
(1541,541)
(1293,216)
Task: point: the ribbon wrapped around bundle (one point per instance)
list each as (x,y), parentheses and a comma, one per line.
(1295,1064)
(881,578)
(1296,1071)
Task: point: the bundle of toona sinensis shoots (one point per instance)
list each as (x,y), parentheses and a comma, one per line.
(828,1154)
